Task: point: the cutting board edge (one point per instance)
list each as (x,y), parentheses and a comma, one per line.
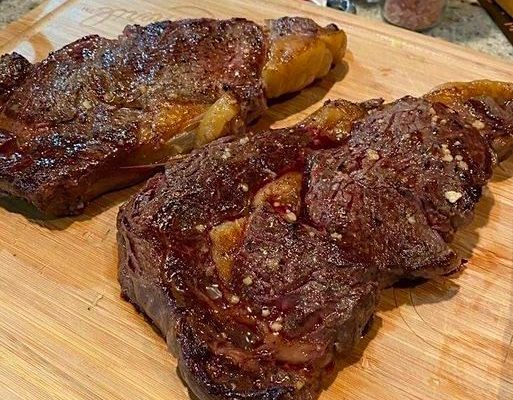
(17,30)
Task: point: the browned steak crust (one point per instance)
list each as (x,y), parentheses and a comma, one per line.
(79,115)
(73,125)
(302,263)
(391,179)
(170,241)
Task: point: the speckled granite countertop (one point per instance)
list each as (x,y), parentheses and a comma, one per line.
(464,22)
(11,10)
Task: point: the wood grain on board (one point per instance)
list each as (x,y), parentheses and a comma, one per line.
(66,334)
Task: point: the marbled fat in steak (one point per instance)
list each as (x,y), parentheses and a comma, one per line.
(261,259)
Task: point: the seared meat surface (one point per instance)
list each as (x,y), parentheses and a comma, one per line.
(261,258)
(77,124)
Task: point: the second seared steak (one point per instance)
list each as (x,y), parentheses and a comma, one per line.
(261,258)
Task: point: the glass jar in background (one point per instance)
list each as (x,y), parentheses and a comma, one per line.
(416,15)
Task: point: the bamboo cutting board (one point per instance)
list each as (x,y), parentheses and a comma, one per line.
(66,334)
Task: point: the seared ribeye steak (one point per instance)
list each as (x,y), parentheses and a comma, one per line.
(261,258)
(74,125)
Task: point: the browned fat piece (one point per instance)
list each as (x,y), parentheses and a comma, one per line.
(261,258)
(84,120)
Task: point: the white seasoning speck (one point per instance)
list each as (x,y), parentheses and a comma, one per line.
(200,227)
(244,187)
(271,173)
(276,204)
(452,196)
(290,217)
(336,235)
(265,312)
(457,143)
(248,281)
(446,153)
(234,299)
(478,124)
(276,326)
(447,158)
(273,263)
(244,140)
(432,111)
(87,104)
(372,154)
(250,310)
(443,121)
(226,153)
(213,292)
(458,157)
(411,219)
(463,165)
